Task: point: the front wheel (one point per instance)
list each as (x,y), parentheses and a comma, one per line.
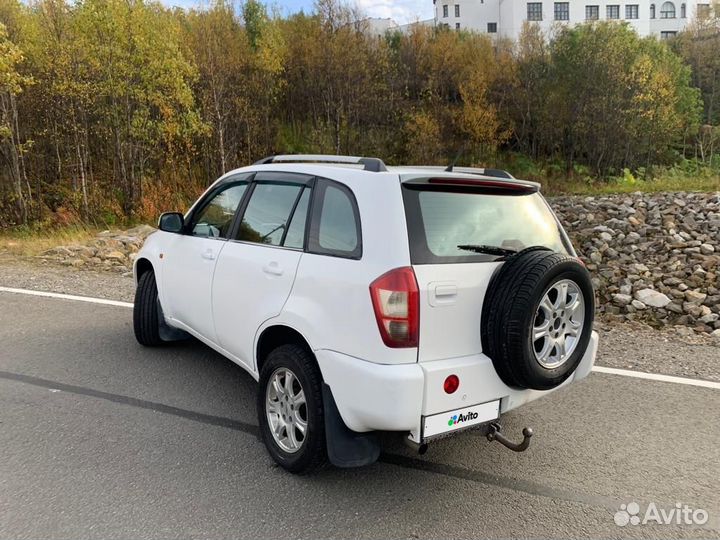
(290,409)
(146,321)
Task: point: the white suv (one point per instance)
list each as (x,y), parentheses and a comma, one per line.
(367,298)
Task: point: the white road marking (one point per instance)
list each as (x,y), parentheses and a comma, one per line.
(657,377)
(596,369)
(68,297)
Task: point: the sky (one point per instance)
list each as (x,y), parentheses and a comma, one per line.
(402,11)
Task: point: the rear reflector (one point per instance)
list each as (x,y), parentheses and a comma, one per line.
(451,384)
(396,302)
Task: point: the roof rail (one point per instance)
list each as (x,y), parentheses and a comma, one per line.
(369,163)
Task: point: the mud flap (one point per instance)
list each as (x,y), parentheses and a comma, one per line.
(167,332)
(346,448)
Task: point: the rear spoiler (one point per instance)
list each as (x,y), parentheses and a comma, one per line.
(495,185)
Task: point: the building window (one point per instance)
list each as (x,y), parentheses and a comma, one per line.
(562,11)
(613,12)
(667,11)
(592,13)
(457,10)
(534,11)
(492,28)
(445,10)
(652,11)
(667,35)
(683,11)
(631,11)
(457,26)
(703,11)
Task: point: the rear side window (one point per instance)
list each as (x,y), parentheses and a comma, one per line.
(441,221)
(268,213)
(335,228)
(295,237)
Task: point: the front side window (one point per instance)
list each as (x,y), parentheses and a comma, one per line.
(492,28)
(683,11)
(534,11)
(269,212)
(562,11)
(631,11)
(592,13)
(457,26)
(667,11)
(667,35)
(445,10)
(703,11)
(335,227)
(214,219)
(457,10)
(652,11)
(613,12)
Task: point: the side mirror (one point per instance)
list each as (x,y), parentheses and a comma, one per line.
(171,222)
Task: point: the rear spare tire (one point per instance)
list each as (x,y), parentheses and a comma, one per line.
(537,318)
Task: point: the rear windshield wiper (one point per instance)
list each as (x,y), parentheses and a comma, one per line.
(490,250)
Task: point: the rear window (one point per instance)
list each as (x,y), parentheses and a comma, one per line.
(440,221)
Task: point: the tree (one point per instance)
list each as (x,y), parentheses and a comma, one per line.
(12,149)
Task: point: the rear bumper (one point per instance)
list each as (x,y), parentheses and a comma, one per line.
(373,396)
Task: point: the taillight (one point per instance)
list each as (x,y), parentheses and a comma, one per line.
(396,302)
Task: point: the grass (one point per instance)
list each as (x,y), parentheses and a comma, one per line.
(23,242)
(565,186)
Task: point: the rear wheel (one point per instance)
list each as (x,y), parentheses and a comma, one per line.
(290,409)
(146,321)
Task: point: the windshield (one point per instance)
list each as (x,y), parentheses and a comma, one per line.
(451,227)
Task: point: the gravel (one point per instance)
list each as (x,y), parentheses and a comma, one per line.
(45,276)
(628,345)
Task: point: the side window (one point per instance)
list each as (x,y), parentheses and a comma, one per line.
(214,220)
(268,213)
(335,226)
(295,237)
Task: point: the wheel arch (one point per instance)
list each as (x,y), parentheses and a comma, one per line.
(142,265)
(276,335)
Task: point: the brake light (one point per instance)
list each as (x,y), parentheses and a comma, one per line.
(396,302)
(501,185)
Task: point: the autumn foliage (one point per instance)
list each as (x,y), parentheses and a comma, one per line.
(119,109)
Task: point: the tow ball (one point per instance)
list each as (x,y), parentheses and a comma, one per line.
(495,435)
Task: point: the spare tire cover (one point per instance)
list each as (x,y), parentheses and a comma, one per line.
(537,318)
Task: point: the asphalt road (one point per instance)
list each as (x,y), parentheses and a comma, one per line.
(101,438)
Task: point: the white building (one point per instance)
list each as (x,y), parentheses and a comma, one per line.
(505,18)
(379,27)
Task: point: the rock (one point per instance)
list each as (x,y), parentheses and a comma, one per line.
(637,304)
(707,249)
(622,299)
(695,297)
(652,298)
(115,255)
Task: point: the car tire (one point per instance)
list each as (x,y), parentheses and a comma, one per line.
(281,416)
(537,318)
(146,322)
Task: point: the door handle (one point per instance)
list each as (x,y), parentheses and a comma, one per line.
(273,268)
(208,254)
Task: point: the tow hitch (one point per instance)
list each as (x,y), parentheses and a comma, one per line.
(495,435)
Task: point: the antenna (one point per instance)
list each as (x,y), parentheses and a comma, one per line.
(457,156)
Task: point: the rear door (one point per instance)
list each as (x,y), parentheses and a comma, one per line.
(447,214)
(256,269)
